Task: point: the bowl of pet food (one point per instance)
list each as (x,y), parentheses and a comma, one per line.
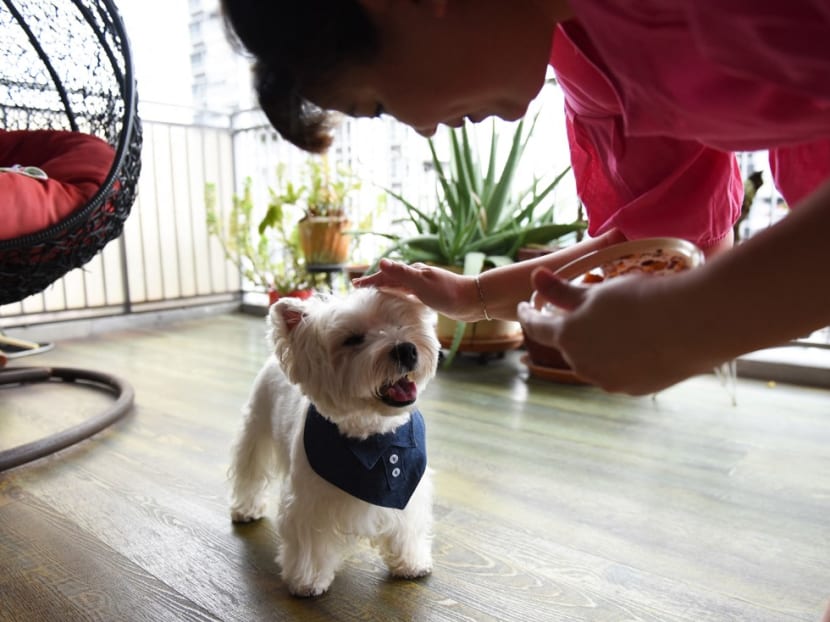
(651,256)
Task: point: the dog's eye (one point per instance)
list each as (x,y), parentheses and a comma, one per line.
(354,340)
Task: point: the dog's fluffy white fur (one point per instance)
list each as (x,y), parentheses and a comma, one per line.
(343,355)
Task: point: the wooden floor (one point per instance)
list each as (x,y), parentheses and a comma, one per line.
(552,502)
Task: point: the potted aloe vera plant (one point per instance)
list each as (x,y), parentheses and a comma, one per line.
(481,221)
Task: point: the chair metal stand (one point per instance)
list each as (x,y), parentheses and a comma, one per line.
(120,389)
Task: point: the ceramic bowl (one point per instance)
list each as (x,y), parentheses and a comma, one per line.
(653,256)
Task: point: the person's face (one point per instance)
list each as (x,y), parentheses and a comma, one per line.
(481,59)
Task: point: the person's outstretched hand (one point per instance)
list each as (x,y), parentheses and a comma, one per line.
(451,294)
(632,334)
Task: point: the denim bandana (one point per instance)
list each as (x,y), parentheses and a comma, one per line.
(383,469)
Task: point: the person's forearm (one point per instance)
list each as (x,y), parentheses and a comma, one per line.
(504,288)
(768,290)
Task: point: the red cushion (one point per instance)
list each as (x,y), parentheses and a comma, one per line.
(77,165)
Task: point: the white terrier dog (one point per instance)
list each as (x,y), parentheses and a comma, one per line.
(332,416)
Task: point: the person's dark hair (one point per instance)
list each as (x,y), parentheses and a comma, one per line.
(297,44)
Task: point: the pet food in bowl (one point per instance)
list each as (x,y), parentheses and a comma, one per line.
(652,256)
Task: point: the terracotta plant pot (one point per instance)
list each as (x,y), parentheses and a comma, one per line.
(547,363)
(544,356)
(324,241)
(542,360)
(274,295)
(481,336)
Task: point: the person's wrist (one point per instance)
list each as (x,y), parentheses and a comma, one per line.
(482,300)
(468,305)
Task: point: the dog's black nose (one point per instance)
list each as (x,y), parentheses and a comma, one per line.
(406,355)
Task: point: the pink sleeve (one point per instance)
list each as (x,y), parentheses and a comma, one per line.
(644,186)
(801,169)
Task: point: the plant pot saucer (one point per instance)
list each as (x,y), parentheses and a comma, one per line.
(494,344)
(555,374)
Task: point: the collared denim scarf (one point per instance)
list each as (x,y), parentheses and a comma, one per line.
(383,469)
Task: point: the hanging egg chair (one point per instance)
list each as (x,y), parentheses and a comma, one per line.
(70,138)
(70,156)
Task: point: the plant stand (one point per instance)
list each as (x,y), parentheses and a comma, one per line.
(328,271)
(551,374)
(486,346)
(485,337)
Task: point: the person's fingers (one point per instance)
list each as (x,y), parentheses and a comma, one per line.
(557,291)
(541,327)
(370,280)
(388,275)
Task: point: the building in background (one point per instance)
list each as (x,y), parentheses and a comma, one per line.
(220,77)
(384,153)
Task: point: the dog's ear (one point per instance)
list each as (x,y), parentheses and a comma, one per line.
(292,318)
(287,314)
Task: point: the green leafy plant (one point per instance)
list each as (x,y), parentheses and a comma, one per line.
(321,197)
(328,190)
(323,192)
(479,219)
(268,254)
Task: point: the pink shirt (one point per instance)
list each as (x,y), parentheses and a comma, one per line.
(658,93)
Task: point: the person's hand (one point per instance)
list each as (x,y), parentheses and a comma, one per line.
(451,294)
(632,334)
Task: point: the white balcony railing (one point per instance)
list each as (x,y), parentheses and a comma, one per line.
(165,257)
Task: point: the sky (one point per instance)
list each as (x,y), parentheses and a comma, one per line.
(160,42)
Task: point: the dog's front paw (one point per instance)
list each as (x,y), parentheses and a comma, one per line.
(316,587)
(247,512)
(411,570)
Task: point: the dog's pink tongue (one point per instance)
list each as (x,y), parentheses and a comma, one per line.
(404,390)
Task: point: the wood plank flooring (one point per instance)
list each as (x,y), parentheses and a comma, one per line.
(553,502)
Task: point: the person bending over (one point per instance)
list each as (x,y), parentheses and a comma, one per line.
(658,96)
